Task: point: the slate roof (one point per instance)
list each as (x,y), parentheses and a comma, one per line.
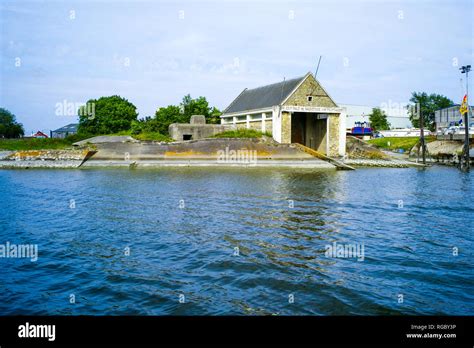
(263,97)
(72,127)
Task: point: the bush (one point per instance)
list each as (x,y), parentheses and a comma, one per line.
(155,136)
(147,125)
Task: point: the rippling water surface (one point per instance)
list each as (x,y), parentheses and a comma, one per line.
(191,250)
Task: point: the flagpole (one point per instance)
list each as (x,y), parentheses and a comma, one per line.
(466,136)
(467,164)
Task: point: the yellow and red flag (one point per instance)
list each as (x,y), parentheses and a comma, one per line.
(463,108)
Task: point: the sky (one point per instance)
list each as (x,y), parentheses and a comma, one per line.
(58,54)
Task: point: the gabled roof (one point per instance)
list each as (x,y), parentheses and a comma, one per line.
(265,96)
(40,134)
(72,127)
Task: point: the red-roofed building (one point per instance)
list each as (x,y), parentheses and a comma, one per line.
(39,134)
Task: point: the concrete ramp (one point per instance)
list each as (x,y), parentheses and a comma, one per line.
(106,139)
(338,164)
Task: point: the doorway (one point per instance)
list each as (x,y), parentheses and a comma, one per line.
(309,129)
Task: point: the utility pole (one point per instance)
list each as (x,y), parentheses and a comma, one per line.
(422,137)
(465,70)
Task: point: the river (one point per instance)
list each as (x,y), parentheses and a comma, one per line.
(200,241)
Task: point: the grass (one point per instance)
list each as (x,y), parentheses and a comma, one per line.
(405,143)
(23,144)
(242,133)
(154,136)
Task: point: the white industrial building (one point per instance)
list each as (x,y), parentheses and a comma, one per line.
(397,116)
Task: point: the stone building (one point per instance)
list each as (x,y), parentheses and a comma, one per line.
(195,129)
(294,111)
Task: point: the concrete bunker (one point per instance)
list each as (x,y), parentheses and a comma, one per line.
(195,129)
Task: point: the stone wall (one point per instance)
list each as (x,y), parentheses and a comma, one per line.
(285,127)
(333,127)
(48,155)
(257,125)
(310,87)
(268,125)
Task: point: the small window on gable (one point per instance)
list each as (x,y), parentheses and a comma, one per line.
(310,98)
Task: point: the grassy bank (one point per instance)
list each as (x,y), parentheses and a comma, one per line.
(242,133)
(395,143)
(23,144)
(34,144)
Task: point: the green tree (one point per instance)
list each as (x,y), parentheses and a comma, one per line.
(106,115)
(182,113)
(427,105)
(168,115)
(378,119)
(9,128)
(147,125)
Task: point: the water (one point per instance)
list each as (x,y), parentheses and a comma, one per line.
(190,250)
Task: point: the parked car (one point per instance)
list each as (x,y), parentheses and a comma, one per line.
(378,135)
(451,130)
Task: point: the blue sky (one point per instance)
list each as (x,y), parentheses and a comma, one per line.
(154,52)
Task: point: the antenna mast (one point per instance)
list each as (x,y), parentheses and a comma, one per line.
(317,68)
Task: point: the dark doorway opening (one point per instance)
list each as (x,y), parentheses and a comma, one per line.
(309,129)
(187,137)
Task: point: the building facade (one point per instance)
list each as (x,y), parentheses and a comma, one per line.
(451,116)
(294,111)
(63,132)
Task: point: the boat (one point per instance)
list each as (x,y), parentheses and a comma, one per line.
(361,129)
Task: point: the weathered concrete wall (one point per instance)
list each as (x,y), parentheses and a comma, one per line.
(310,87)
(197,131)
(201,149)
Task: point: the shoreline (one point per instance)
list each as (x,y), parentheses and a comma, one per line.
(193,162)
(115,151)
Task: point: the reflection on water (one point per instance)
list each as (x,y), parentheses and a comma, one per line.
(238,241)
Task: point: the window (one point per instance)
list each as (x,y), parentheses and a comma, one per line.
(310,98)
(187,136)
